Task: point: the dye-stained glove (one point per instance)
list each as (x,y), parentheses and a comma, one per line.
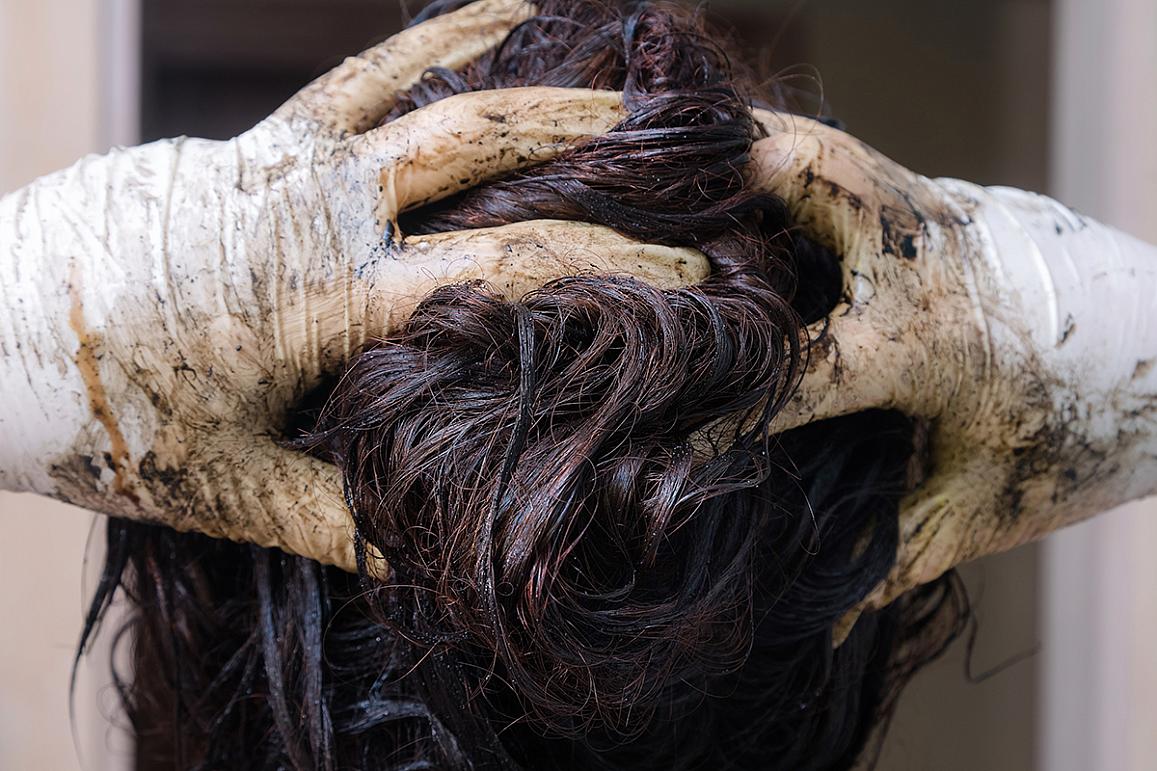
(1022,332)
(162,307)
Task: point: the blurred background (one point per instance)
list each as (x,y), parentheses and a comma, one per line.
(1051,95)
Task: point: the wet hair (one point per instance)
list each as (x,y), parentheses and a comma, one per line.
(595,553)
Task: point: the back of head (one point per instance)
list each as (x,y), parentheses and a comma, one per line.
(597,557)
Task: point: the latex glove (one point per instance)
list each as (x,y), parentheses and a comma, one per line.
(1024,333)
(162,307)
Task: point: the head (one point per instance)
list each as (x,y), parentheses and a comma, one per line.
(581,548)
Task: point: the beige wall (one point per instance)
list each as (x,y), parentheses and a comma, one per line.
(50,84)
(50,102)
(1099,674)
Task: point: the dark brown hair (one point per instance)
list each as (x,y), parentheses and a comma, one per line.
(598,558)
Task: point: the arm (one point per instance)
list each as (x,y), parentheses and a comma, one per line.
(146,335)
(163,307)
(1022,332)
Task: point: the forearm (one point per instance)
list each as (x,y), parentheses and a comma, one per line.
(1070,310)
(81,251)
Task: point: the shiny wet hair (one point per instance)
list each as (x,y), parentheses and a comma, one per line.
(595,554)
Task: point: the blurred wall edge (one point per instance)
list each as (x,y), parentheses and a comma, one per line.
(67,87)
(1099,674)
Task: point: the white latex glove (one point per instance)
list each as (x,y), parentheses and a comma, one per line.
(1024,333)
(162,307)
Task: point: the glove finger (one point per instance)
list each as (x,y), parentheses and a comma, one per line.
(357,94)
(846,195)
(521,257)
(464,140)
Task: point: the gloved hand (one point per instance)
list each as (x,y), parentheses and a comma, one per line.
(162,307)
(1024,334)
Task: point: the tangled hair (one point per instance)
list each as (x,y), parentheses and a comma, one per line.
(597,557)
